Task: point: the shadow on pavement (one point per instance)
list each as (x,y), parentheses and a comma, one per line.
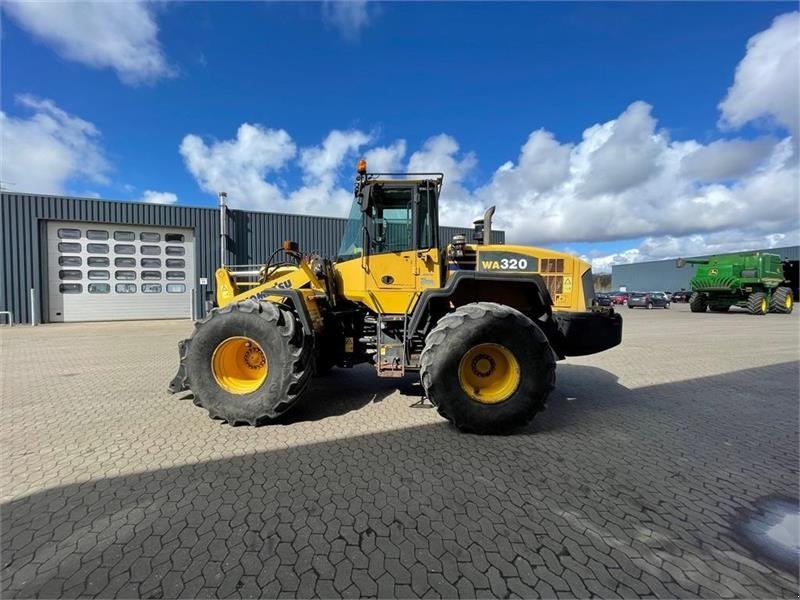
(610,492)
(338,393)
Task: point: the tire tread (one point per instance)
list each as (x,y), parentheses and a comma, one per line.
(300,366)
(435,345)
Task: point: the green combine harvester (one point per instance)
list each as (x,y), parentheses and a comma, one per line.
(757,281)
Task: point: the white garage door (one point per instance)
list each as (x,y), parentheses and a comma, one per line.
(103,272)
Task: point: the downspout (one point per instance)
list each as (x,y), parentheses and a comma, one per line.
(223,228)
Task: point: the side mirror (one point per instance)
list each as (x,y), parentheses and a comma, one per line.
(680,263)
(365,198)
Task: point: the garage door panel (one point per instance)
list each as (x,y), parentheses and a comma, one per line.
(99,272)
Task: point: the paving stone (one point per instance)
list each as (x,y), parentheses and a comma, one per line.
(115,490)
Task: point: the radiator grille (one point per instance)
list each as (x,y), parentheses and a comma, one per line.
(555,284)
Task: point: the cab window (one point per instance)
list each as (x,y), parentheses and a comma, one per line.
(427,225)
(390,222)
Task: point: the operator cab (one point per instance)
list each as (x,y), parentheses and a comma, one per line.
(392,213)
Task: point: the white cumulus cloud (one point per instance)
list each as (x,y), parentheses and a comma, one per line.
(153,197)
(249,168)
(767,81)
(726,159)
(321,192)
(386,159)
(555,192)
(442,154)
(239,166)
(122,36)
(44,152)
(671,187)
(622,153)
(323,160)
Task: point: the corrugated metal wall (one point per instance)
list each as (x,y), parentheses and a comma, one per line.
(22,218)
(664,275)
(447,233)
(252,237)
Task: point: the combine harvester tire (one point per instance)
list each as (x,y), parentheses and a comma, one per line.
(697,303)
(782,301)
(757,303)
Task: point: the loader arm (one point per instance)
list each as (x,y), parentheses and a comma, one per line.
(283,277)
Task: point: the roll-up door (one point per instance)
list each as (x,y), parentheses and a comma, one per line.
(103,272)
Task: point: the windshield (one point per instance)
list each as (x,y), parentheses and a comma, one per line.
(393,213)
(351,239)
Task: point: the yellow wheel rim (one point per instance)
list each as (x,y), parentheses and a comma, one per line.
(788,303)
(489,373)
(764,305)
(239,365)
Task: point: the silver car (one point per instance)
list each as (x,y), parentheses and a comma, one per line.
(648,300)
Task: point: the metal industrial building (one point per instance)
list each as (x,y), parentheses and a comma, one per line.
(78,259)
(663,275)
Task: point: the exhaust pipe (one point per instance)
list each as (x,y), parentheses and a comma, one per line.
(483,227)
(487,225)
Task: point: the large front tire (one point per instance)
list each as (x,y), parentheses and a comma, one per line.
(698,303)
(248,361)
(782,301)
(757,303)
(487,368)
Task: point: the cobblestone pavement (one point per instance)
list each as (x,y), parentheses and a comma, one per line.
(632,483)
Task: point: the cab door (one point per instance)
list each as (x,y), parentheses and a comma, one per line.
(402,257)
(391,257)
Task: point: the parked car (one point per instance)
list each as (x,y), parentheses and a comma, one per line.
(648,300)
(602,300)
(619,297)
(682,296)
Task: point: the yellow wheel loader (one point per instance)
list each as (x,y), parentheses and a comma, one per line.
(482,323)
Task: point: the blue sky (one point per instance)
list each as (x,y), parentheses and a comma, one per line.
(481,76)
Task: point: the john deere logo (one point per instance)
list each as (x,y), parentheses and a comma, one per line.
(713,272)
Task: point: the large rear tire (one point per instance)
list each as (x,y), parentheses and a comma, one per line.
(248,361)
(757,303)
(698,303)
(782,301)
(487,368)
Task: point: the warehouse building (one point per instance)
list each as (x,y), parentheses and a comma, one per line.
(663,275)
(77,259)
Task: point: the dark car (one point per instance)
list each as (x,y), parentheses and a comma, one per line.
(602,300)
(682,296)
(648,300)
(619,297)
